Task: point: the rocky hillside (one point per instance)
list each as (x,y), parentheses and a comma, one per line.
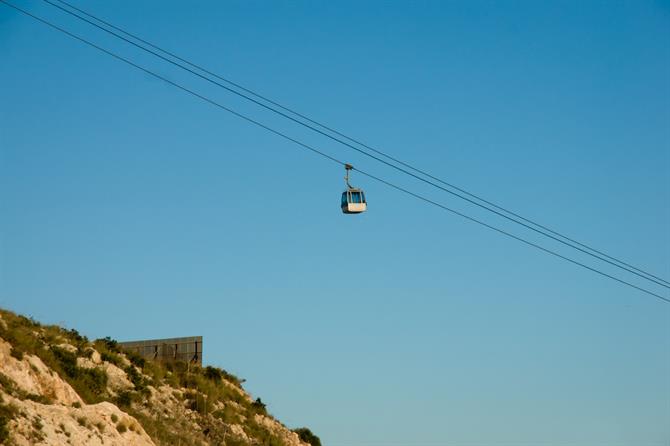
(58,388)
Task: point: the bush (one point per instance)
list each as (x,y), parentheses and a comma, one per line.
(90,384)
(154,371)
(111,357)
(39,398)
(76,337)
(66,360)
(7,383)
(7,413)
(110,344)
(136,378)
(124,399)
(17,353)
(135,358)
(307,436)
(258,406)
(30,322)
(20,337)
(212,373)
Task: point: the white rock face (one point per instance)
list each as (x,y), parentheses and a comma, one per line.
(117,380)
(68,347)
(238,431)
(61,423)
(89,425)
(61,417)
(32,376)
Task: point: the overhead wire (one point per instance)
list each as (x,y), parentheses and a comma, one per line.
(498,210)
(327,156)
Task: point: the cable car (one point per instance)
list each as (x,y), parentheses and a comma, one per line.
(353,199)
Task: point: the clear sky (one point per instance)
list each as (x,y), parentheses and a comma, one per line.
(130,209)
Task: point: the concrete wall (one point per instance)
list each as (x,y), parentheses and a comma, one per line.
(170,349)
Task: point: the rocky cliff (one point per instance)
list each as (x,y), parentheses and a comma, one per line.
(59,388)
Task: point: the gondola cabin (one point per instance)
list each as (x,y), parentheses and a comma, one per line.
(353,201)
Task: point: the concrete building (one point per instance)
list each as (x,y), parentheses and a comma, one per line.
(171,349)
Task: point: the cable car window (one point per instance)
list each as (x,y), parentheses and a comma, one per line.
(362,197)
(355,197)
(344,198)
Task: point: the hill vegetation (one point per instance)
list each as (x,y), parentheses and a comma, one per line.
(58,387)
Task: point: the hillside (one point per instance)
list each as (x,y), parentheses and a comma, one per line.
(57,388)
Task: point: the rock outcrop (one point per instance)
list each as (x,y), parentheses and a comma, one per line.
(58,388)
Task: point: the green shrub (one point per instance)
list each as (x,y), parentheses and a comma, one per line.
(90,384)
(29,322)
(19,334)
(307,436)
(76,337)
(136,378)
(7,413)
(212,373)
(110,344)
(177,367)
(7,383)
(155,372)
(111,357)
(17,353)
(39,398)
(259,407)
(135,358)
(67,361)
(125,399)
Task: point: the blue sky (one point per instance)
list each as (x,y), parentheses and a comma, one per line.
(130,209)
